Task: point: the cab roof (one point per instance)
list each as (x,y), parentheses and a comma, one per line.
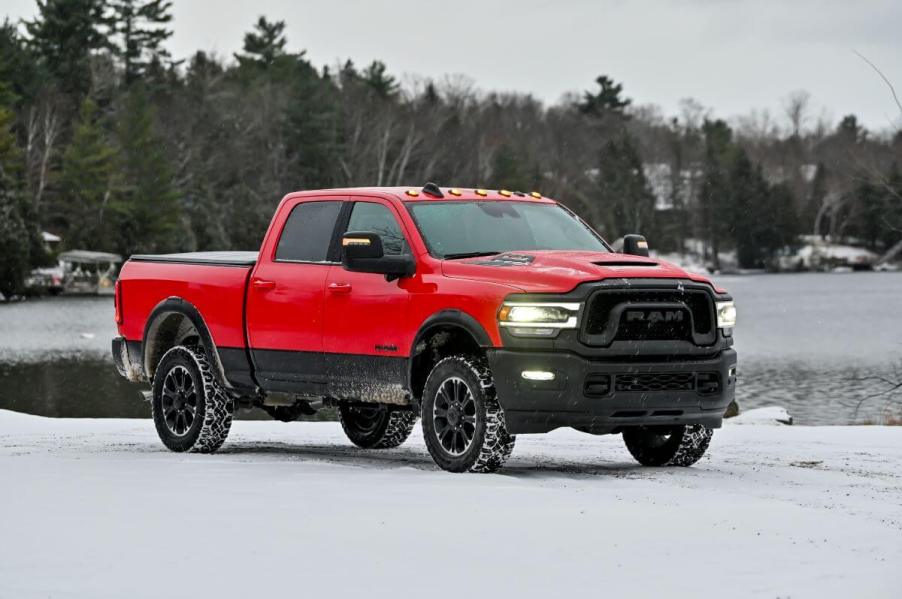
(431,192)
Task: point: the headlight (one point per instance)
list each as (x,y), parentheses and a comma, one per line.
(538,319)
(726,315)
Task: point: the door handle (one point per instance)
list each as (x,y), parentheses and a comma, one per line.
(263,285)
(340,287)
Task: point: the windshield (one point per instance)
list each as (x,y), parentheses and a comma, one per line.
(463,229)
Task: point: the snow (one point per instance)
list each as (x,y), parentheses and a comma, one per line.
(814,254)
(97,508)
(689,262)
(767,415)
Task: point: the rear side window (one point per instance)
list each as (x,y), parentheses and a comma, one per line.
(308,232)
(376,218)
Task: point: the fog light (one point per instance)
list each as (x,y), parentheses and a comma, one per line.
(537,375)
(532,332)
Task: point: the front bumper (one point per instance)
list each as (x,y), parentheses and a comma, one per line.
(604,396)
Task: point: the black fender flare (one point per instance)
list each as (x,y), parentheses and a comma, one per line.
(177,305)
(445,318)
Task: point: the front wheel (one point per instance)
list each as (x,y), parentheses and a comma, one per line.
(667,445)
(463,423)
(191,409)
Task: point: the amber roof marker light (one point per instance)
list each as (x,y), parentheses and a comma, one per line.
(482,192)
(536,195)
(455,192)
(412,193)
(505,193)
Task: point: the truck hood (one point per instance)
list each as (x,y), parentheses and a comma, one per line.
(551,271)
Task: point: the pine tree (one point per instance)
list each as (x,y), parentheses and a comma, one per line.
(813,211)
(263,45)
(146,208)
(870,200)
(893,218)
(786,227)
(763,218)
(623,189)
(311,129)
(87,183)
(714,197)
(607,101)
(511,169)
(141,27)
(375,77)
(64,34)
(747,195)
(14,234)
(18,67)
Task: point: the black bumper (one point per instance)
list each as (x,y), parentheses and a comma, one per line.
(603,396)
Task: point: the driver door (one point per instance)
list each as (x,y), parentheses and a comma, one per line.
(365,326)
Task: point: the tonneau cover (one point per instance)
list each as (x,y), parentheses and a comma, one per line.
(211,258)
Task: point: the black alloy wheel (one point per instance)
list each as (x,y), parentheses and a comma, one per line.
(454,415)
(179,401)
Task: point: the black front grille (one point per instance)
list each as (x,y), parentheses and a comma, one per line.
(632,330)
(650,315)
(655,381)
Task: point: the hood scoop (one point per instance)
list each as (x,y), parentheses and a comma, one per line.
(624,263)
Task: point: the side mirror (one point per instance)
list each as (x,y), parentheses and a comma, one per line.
(635,245)
(362,252)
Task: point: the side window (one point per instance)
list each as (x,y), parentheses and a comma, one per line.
(376,218)
(308,232)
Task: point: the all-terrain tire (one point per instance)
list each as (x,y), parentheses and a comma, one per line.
(490,444)
(212,405)
(376,426)
(668,446)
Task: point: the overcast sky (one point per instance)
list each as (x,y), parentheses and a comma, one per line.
(732,55)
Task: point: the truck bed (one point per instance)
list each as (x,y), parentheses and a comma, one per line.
(211,283)
(211,258)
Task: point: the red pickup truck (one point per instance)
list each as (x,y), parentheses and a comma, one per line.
(488,313)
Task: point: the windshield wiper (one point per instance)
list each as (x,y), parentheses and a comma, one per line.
(469,255)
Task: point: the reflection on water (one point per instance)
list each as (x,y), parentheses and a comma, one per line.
(813,343)
(816,394)
(70,388)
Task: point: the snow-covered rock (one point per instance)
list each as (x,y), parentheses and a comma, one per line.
(765,415)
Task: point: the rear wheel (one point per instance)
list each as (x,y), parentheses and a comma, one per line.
(376,426)
(192,411)
(667,445)
(463,423)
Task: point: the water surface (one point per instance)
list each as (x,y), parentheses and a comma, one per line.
(814,343)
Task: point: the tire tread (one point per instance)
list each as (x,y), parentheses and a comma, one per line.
(219,405)
(497,444)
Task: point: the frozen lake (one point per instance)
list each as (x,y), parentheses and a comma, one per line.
(813,343)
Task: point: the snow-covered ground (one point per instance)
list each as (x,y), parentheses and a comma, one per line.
(97,508)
